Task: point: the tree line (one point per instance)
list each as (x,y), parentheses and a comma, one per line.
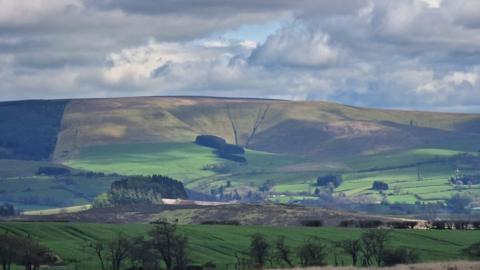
(24,251)
(371,249)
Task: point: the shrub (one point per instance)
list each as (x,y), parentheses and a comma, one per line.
(7,210)
(347,223)
(325,181)
(473,250)
(393,257)
(53,171)
(402,224)
(379,185)
(221,222)
(312,223)
(371,223)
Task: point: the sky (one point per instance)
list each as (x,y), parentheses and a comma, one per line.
(402,54)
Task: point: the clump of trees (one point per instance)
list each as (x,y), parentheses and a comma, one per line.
(379,185)
(142,189)
(50,170)
(223,149)
(165,248)
(330,180)
(7,210)
(24,251)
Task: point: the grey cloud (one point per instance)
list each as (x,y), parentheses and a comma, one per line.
(380,53)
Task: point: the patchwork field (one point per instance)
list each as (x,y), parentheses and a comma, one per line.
(413,175)
(219,244)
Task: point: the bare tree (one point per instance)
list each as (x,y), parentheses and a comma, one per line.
(113,253)
(170,245)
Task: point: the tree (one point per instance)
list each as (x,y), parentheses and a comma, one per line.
(8,250)
(143,255)
(473,250)
(283,252)
(312,253)
(170,246)
(30,253)
(259,249)
(379,185)
(328,180)
(7,210)
(113,253)
(392,257)
(352,248)
(458,204)
(373,246)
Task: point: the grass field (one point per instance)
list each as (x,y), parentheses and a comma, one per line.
(219,243)
(289,175)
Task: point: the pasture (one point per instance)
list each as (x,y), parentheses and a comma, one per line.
(219,244)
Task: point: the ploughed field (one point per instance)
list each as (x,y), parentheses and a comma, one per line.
(219,243)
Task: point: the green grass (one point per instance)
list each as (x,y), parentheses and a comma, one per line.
(183,161)
(187,162)
(219,243)
(408,157)
(43,192)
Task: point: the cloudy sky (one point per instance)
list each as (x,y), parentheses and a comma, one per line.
(408,54)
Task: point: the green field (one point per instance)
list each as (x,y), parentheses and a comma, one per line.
(291,176)
(218,244)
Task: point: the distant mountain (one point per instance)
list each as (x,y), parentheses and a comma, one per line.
(57,130)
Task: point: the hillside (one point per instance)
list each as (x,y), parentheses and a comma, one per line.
(288,145)
(319,130)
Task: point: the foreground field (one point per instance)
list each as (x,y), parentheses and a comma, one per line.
(219,244)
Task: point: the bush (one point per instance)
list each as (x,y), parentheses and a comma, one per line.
(473,250)
(221,222)
(7,210)
(379,185)
(53,171)
(347,223)
(372,223)
(325,181)
(399,256)
(402,224)
(312,223)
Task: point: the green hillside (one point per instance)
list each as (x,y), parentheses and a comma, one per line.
(219,244)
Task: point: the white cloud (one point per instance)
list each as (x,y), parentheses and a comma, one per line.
(299,46)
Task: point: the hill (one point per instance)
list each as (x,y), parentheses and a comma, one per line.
(288,145)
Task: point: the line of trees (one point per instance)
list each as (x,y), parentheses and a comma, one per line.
(165,247)
(371,249)
(24,251)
